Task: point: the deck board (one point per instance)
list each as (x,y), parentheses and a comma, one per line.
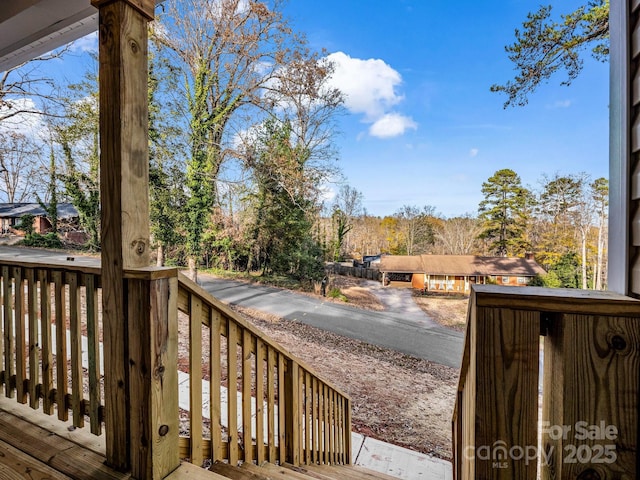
(17,465)
(36,447)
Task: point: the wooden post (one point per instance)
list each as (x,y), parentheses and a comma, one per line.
(590,405)
(153,354)
(124,187)
(506,359)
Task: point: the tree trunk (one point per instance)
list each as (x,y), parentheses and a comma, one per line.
(598,279)
(193,270)
(584,260)
(160,259)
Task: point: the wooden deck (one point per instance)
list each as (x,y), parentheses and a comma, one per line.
(34,446)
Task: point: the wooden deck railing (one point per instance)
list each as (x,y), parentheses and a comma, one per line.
(49,312)
(260,403)
(277,409)
(588,426)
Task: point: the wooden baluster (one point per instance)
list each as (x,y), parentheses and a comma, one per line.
(341,431)
(75,346)
(260,354)
(7,300)
(61,344)
(271,403)
(21,361)
(314,420)
(232,396)
(321,422)
(327,425)
(45,341)
(300,412)
(332,429)
(93,351)
(307,418)
(282,409)
(32,305)
(215,377)
(292,412)
(247,344)
(195,379)
(347,434)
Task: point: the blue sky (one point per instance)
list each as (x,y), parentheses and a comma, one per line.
(422,127)
(438,59)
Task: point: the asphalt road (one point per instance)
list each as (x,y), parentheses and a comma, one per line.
(402,327)
(414,335)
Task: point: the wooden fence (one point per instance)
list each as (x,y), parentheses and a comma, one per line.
(358,272)
(588,428)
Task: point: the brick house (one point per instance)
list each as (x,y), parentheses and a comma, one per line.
(456,273)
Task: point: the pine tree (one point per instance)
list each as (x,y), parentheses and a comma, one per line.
(546,46)
(504,212)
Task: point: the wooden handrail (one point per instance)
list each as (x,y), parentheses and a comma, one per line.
(590,386)
(283,411)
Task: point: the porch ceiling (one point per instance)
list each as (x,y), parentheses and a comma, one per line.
(29,28)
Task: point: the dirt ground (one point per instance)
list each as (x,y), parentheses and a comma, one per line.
(396,398)
(449,311)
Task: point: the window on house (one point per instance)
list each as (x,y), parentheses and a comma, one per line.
(522,280)
(505,279)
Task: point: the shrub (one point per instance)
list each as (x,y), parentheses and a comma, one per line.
(336,293)
(49,240)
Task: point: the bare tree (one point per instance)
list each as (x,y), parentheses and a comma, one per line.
(600,196)
(459,235)
(228,50)
(416,228)
(347,205)
(24,86)
(21,165)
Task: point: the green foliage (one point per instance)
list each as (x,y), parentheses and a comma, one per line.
(567,269)
(51,208)
(26,224)
(549,280)
(207,123)
(281,234)
(32,239)
(546,46)
(78,139)
(504,213)
(167,196)
(337,294)
(48,240)
(84,191)
(342,227)
(558,210)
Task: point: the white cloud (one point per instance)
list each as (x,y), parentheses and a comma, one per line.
(561,104)
(370,89)
(327,194)
(473,152)
(391,125)
(29,124)
(88,43)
